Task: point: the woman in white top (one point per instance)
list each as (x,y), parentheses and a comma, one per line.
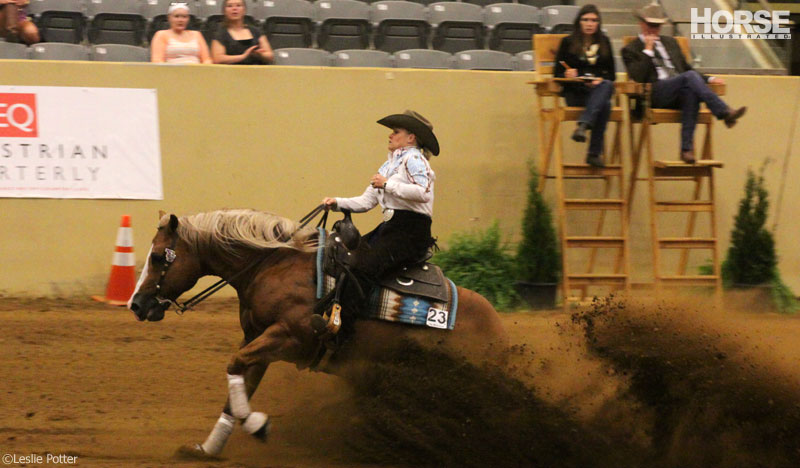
(403,187)
(178,44)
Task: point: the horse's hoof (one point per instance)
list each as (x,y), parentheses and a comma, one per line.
(257,425)
(194,452)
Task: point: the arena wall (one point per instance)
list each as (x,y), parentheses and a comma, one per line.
(281,138)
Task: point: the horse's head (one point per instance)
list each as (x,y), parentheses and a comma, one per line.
(170,270)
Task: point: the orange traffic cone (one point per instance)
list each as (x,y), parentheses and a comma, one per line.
(122,281)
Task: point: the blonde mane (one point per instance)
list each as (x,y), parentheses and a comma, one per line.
(233,229)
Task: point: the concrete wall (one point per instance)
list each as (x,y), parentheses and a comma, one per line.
(281,138)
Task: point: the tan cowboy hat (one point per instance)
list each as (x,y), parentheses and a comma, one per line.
(416,124)
(652,13)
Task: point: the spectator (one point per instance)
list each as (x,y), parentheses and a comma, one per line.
(14,23)
(653,58)
(237,43)
(586,54)
(178,44)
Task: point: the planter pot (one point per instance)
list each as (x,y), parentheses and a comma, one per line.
(751,298)
(537,295)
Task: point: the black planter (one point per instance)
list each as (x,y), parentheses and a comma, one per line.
(537,295)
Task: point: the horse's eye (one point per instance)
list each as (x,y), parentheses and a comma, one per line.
(157,258)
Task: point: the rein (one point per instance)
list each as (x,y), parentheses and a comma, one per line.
(170,257)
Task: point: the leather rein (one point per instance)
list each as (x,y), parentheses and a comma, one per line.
(170,256)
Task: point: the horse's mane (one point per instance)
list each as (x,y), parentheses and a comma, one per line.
(233,229)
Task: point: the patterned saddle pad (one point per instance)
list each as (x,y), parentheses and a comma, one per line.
(393,306)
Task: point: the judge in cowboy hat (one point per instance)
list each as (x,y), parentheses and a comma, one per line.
(657,59)
(403,187)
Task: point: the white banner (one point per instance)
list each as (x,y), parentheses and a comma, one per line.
(60,142)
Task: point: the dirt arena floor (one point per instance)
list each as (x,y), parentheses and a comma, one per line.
(631,383)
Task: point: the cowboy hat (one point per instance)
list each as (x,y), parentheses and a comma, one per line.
(416,124)
(652,13)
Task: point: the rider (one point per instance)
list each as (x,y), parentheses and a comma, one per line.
(403,186)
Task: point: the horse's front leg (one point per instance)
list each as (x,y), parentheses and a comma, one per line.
(274,344)
(223,429)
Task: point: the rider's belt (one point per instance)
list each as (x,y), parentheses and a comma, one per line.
(403,215)
(387,214)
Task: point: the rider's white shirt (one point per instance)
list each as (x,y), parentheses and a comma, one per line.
(409,185)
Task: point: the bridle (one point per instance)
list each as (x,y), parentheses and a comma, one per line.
(170,256)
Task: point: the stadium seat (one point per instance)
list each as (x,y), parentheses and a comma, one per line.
(119,53)
(525,60)
(540,4)
(558,19)
(511,26)
(115,22)
(362,58)
(458,26)
(399,25)
(12,50)
(59,20)
(423,58)
(59,51)
(482,59)
(210,11)
(287,23)
(342,24)
(300,56)
(155,12)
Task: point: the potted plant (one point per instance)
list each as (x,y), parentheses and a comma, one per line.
(751,262)
(538,257)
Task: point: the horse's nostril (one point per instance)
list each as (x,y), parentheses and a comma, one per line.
(135,307)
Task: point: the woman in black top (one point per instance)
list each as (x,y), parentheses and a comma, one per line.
(237,43)
(586,54)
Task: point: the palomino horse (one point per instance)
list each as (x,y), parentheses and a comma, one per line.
(271,264)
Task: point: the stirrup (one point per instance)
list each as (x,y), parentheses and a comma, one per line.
(334,319)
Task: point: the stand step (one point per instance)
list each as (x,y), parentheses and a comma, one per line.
(581,171)
(593,204)
(697,280)
(595,241)
(590,279)
(686,243)
(701,205)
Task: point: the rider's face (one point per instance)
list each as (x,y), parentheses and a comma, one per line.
(400,138)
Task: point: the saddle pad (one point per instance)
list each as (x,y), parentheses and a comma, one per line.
(392,306)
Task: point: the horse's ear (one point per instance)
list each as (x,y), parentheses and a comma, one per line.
(173,222)
(161,214)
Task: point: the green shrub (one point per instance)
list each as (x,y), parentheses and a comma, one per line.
(538,259)
(478,261)
(751,257)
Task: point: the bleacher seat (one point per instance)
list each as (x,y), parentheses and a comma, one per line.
(12,50)
(399,25)
(210,11)
(59,51)
(287,23)
(458,26)
(119,53)
(155,12)
(511,26)
(362,58)
(559,19)
(342,24)
(525,60)
(481,3)
(115,22)
(302,56)
(540,4)
(482,59)
(59,20)
(423,58)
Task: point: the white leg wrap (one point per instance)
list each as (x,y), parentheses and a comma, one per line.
(254,422)
(237,395)
(219,435)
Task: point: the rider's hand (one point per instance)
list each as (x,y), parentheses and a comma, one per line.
(378,181)
(329,203)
